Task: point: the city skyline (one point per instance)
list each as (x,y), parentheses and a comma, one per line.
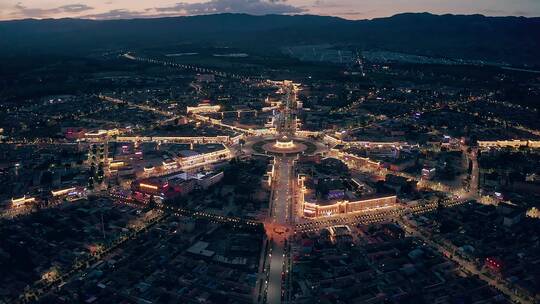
(264,152)
(348,9)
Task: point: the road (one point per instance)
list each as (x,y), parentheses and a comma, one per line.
(282,195)
(280,211)
(275,274)
(190,67)
(475,174)
(138,106)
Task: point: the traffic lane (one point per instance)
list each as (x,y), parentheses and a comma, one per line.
(275,277)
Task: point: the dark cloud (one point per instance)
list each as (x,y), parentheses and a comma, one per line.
(27,12)
(254,7)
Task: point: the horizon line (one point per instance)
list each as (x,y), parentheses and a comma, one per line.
(265,15)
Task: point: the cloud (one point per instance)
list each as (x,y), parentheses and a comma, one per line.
(523,13)
(254,7)
(75,8)
(499,12)
(117,14)
(325,3)
(356,13)
(490,11)
(26,12)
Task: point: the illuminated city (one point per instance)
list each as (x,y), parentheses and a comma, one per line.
(260,154)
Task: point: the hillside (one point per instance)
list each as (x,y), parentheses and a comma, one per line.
(514,40)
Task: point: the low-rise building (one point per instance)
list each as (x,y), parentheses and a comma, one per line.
(318,209)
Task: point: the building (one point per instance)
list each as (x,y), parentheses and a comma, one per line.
(161,188)
(173,185)
(22,201)
(169,164)
(512,218)
(74,133)
(399,184)
(515,143)
(428,173)
(126,152)
(206,78)
(203,155)
(204,107)
(393,231)
(207,179)
(401,164)
(218,139)
(69,193)
(354,161)
(317,209)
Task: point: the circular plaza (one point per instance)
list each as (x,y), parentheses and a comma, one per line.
(283,145)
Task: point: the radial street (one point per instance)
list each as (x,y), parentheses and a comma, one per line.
(282,196)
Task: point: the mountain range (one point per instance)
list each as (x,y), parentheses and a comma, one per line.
(514,40)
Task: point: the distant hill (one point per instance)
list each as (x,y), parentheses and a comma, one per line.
(514,40)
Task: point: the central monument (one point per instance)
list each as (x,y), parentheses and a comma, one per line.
(284,143)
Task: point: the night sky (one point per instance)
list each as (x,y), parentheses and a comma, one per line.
(349,9)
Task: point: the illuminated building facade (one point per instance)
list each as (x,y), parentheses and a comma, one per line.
(190,159)
(169,164)
(173,185)
(203,108)
(70,193)
(313,209)
(223,139)
(74,133)
(22,201)
(354,161)
(515,143)
(159,188)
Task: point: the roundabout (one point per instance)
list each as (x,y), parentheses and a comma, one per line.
(283,146)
